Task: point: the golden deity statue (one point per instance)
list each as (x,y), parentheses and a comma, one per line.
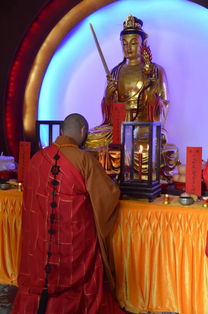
(142,86)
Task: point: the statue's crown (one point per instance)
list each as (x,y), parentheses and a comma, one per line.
(133,25)
(132,22)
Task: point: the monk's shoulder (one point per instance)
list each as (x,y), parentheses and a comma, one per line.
(90,157)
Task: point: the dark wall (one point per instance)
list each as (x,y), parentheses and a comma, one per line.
(15,18)
(202,2)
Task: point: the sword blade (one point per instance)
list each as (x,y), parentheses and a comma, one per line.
(100,51)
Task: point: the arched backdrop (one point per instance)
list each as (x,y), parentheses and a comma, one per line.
(67,74)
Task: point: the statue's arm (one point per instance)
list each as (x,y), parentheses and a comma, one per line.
(163,84)
(162,92)
(108,99)
(111,93)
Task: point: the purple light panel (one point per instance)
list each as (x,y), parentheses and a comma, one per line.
(75,78)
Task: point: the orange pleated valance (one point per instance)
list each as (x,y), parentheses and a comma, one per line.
(158,252)
(159,256)
(10,235)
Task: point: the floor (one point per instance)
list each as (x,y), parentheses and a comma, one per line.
(7,295)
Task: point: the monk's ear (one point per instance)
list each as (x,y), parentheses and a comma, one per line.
(84,134)
(83,131)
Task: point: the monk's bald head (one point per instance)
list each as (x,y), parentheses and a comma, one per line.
(76,127)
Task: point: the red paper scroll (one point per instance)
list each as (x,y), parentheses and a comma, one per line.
(24,158)
(206,249)
(193,170)
(119,115)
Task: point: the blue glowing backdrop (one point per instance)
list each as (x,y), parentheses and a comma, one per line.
(75,78)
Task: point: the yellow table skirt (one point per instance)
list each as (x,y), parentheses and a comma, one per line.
(158,252)
(10,235)
(159,256)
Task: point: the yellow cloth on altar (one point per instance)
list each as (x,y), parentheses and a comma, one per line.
(10,235)
(159,257)
(158,252)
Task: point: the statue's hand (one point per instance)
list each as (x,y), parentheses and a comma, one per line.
(111,87)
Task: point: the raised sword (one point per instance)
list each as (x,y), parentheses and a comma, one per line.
(101,54)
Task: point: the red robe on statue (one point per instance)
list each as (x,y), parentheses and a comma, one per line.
(60,230)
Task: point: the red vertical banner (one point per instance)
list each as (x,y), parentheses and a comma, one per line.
(193,170)
(24,158)
(140,165)
(206,248)
(119,115)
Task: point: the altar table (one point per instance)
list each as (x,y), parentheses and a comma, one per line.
(159,256)
(158,252)
(10,235)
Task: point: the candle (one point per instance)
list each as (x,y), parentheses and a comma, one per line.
(205,201)
(140,162)
(166,199)
(20,186)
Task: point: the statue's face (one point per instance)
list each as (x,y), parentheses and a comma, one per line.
(131,44)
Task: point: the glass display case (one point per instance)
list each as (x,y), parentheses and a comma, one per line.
(140,159)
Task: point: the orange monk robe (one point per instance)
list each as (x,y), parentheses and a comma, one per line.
(104,195)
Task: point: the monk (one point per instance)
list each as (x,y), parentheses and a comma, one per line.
(69,210)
